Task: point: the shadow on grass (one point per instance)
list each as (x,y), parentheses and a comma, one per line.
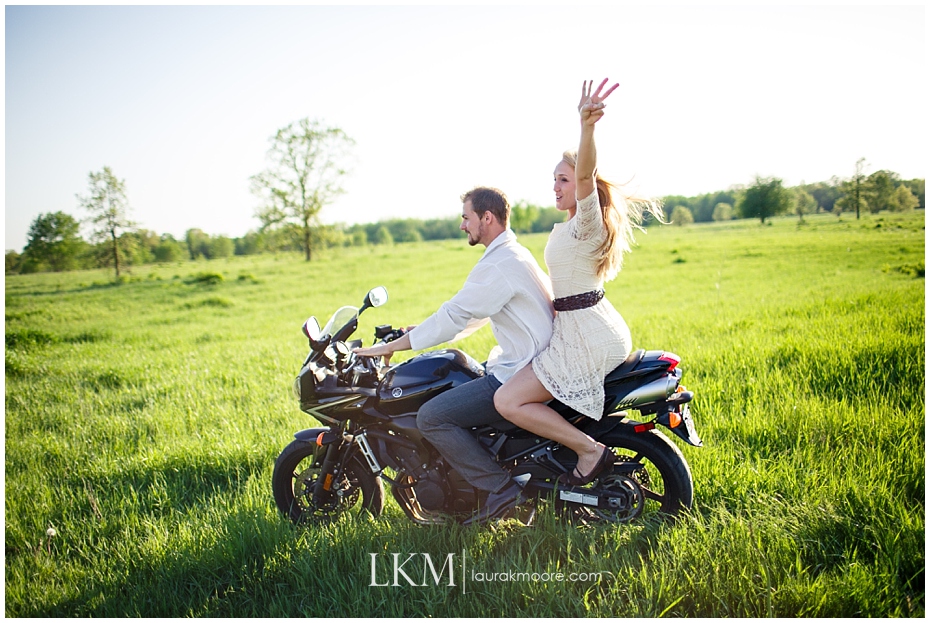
(254,562)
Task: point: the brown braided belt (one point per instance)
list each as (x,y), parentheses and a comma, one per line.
(578,301)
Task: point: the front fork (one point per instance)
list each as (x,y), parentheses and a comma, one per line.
(339,449)
(329,472)
(335,458)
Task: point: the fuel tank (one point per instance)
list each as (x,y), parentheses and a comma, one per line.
(408,385)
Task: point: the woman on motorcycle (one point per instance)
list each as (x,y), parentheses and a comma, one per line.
(589,337)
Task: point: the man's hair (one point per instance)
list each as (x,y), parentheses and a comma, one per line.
(484,199)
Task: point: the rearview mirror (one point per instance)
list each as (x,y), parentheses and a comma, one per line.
(311,328)
(377,296)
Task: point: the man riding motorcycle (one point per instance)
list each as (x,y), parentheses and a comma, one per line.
(508,288)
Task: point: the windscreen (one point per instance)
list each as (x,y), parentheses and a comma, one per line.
(342,316)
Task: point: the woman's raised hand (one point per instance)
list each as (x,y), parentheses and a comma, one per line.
(591,106)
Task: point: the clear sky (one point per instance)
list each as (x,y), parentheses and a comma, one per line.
(181,101)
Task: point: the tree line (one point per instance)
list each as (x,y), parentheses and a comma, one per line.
(767,197)
(307,161)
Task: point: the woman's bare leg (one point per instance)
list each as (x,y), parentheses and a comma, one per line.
(521,401)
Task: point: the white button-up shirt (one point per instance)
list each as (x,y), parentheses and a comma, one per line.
(508,288)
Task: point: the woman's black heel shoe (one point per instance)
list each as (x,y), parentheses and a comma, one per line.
(606,459)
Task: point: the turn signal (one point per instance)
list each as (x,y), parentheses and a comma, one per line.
(326,437)
(674,419)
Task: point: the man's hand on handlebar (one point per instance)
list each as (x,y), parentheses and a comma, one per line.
(387,349)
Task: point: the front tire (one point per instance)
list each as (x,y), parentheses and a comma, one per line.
(296,472)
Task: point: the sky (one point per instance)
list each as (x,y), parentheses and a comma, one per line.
(181,101)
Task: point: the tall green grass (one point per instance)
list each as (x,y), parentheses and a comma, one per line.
(143,420)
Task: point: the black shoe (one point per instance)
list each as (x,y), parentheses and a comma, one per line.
(496,505)
(577,479)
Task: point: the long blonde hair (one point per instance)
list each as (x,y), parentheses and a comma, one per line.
(620,219)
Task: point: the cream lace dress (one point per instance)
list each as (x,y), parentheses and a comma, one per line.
(586,343)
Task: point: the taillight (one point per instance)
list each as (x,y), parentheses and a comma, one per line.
(671,359)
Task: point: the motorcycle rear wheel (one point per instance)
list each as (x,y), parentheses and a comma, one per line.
(664,475)
(295,474)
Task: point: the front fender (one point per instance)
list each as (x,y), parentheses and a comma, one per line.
(310,435)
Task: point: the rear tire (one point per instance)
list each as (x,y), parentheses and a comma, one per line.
(664,475)
(296,472)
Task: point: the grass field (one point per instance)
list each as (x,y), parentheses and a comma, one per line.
(143,420)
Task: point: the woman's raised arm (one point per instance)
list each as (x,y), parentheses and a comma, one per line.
(591,109)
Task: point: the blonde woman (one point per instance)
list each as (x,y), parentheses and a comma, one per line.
(589,337)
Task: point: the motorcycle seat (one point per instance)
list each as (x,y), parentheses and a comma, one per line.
(627,366)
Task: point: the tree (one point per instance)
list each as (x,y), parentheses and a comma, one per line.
(881,188)
(308,162)
(854,190)
(197,243)
(220,246)
(168,249)
(682,216)
(804,203)
(249,244)
(522,216)
(918,188)
(765,198)
(847,203)
(824,193)
(723,212)
(383,236)
(109,210)
(13,262)
(54,242)
(359,237)
(905,201)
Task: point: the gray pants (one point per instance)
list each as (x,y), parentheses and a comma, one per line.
(445,421)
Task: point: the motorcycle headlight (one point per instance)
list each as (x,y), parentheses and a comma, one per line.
(297,388)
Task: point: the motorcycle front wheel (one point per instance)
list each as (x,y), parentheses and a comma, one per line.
(296,472)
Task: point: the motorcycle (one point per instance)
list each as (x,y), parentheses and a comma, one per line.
(371,437)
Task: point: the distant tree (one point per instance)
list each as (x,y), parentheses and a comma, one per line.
(329,236)
(404,230)
(144,243)
(249,244)
(881,189)
(854,190)
(522,216)
(383,236)
(804,203)
(308,162)
(918,188)
(54,242)
(681,216)
(13,261)
(109,212)
(441,228)
(283,237)
(547,218)
(905,201)
(219,247)
(765,198)
(198,243)
(677,200)
(169,249)
(824,193)
(848,203)
(359,237)
(723,212)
